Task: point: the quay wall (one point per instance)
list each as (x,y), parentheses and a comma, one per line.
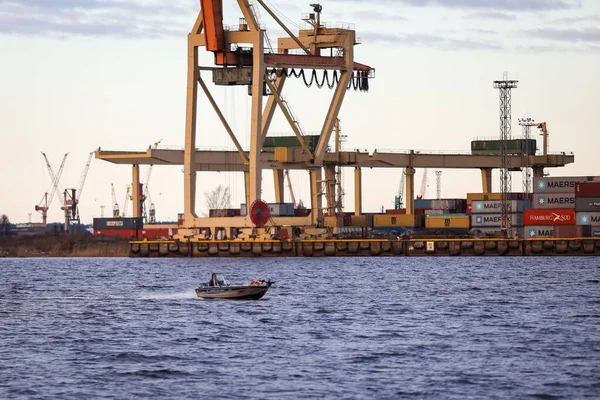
(368,248)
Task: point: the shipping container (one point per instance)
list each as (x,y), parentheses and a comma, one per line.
(118,223)
(587,204)
(495,206)
(571,231)
(549,217)
(587,189)
(437,212)
(595,232)
(391,220)
(558,184)
(290,141)
(471,197)
(302,212)
(224,212)
(451,222)
(492,220)
(554,200)
(423,203)
(396,211)
(126,233)
(281,209)
(494,232)
(535,232)
(494,146)
(458,205)
(592,219)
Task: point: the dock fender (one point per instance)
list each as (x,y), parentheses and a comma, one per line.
(213,249)
(548,245)
(287,246)
(375,249)
(419,245)
(341,246)
(479,248)
(443,245)
(318,246)
(502,247)
(466,245)
(353,247)
(537,247)
(223,247)
(307,249)
(330,249)
(560,247)
(491,245)
(267,246)
(144,251)
(135,248)
(588,246)
(202,247)
(276,248)
(234,249)
(386,247)
(174,247)
(257,249)
(575,245)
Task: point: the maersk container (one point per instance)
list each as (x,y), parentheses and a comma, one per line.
(587,204)
(495,206)
(119,223)
(494,147)
(492,220)
(558,184)
(494,232)
(452,222)
(535,232)
(588,218)
(554,200)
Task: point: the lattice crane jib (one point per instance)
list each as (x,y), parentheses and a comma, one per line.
(241,57)
(505,86)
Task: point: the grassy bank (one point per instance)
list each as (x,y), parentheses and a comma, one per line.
(80,244)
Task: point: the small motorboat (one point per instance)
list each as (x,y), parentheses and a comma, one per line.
(218,288)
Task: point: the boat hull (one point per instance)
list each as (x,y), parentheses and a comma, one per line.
(232,292)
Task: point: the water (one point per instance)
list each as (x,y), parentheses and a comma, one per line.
(385,328)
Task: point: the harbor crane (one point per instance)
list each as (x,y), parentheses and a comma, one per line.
(149,210)
(423,185)
(127,198)
(399,199)
(71,197)
(44,204)
(287,176)
(116,212)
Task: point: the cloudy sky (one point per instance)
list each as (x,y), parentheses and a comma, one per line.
(77,75)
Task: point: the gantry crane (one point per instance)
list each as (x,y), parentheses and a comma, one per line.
(44,204)
(241,58)
(399,199)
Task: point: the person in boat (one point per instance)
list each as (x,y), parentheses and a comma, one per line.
(215,281)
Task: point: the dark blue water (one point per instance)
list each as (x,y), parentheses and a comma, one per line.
(385,328)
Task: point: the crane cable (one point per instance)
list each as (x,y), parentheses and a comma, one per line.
(359,81)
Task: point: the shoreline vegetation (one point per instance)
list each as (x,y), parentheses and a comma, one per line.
(79,244)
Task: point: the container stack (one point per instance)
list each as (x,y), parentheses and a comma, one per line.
(554,207)
(486,216)
(587,207)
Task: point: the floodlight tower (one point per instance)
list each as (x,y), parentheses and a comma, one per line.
(505,86)
(438,184)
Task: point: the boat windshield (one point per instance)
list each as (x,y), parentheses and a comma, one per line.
(218,280)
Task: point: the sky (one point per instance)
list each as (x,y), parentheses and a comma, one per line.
(76,75)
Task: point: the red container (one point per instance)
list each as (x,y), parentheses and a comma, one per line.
(587,189)
(572,231)
(549,217)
